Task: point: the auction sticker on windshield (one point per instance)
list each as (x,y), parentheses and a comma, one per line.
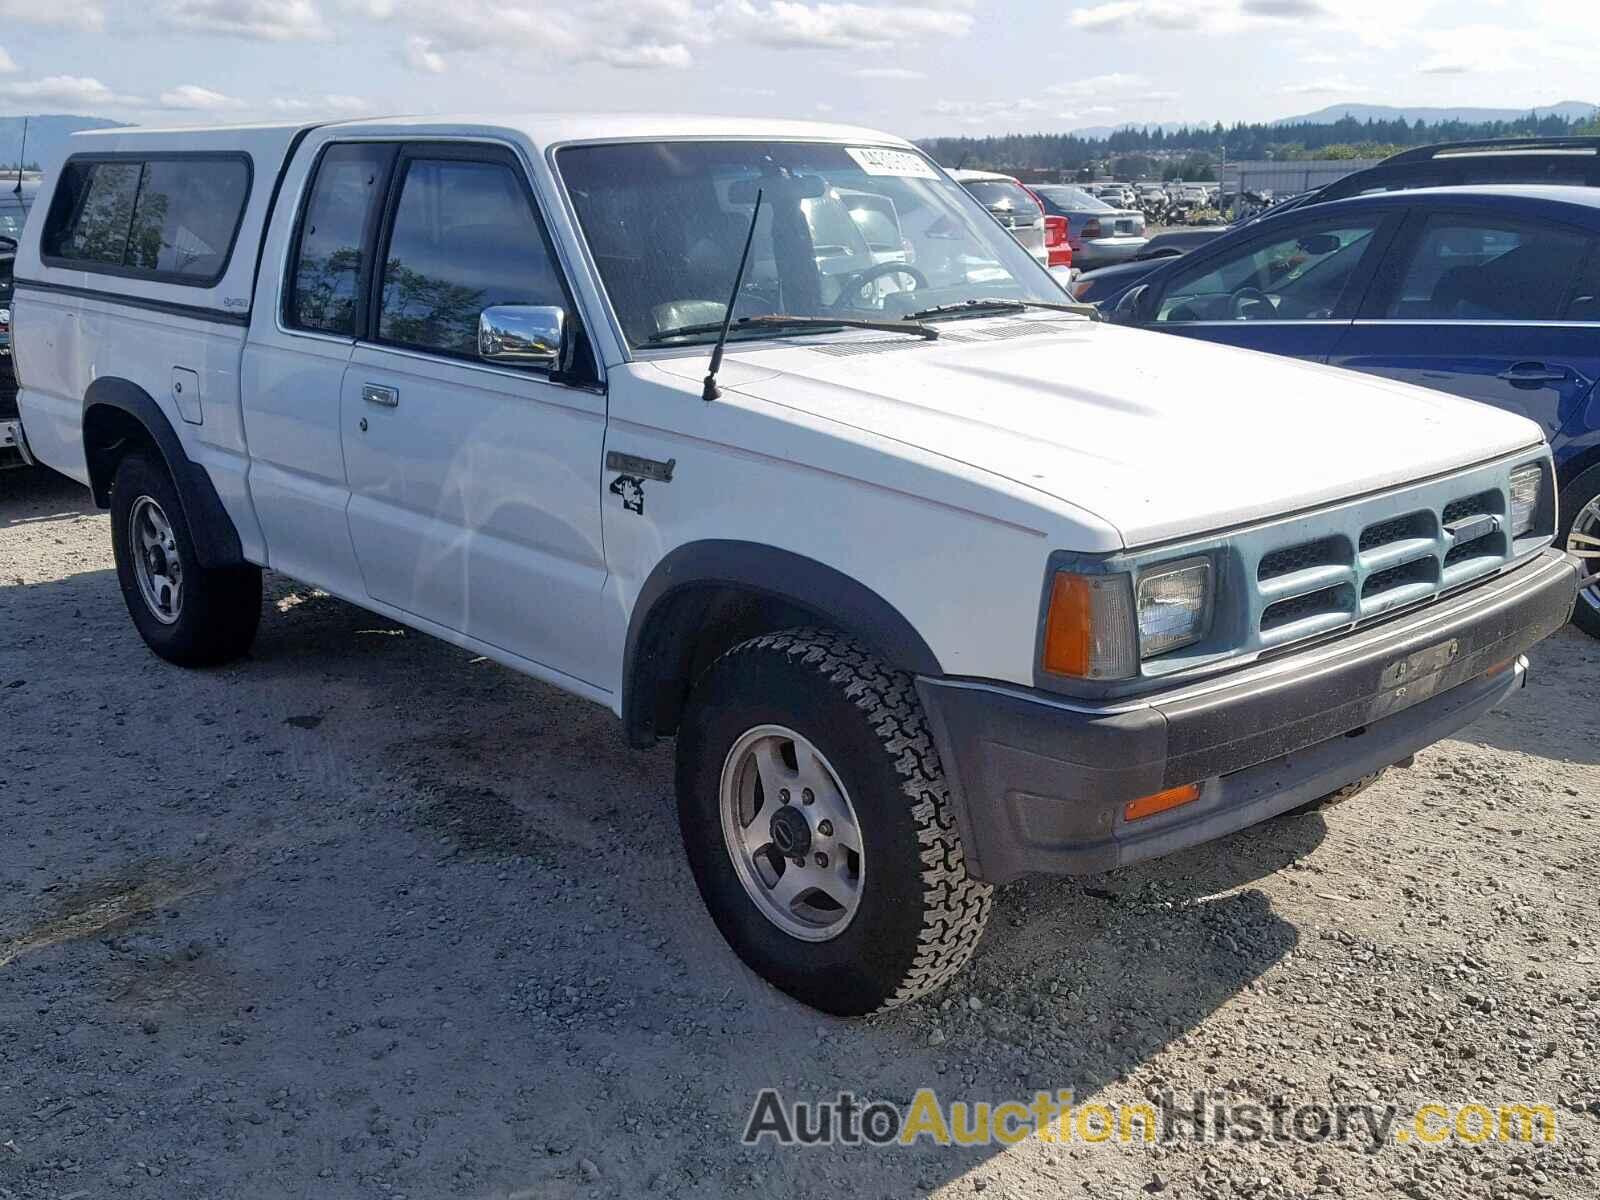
(875,160)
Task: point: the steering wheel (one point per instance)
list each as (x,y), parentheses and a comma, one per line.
(1246,296)
(853,283)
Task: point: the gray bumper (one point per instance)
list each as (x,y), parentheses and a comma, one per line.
(1040,780)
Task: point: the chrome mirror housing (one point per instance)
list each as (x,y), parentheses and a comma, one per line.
(523,335)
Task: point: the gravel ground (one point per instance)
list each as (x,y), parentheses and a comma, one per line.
(363,916)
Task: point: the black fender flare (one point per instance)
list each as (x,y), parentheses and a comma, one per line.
(800,588)
(216,540)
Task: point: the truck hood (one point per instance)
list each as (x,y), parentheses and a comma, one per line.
(1160,436)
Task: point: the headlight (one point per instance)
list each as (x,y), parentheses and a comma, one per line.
(1174,606)
(1527,483)
(1089,627)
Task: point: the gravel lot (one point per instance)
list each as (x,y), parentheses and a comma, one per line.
(365,917)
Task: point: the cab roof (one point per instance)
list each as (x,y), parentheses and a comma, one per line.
(543,129)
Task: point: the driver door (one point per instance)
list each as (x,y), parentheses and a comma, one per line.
(1292,290)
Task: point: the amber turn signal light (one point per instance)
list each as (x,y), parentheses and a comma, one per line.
(1089,628)
(1156,802)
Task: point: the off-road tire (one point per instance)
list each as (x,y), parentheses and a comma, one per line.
(1339,796)
(920,914)
(221,609)
(1574,498)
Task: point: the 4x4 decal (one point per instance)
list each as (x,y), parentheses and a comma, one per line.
(630,484)
(631,489)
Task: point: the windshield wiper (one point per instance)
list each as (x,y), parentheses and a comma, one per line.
(777,321)
(999,304)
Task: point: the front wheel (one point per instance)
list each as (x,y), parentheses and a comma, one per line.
(188,614)
(818,824)
(1580,534)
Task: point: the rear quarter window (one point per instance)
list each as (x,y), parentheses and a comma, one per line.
(170,218)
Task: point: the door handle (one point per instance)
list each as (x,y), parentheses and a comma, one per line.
(377,393)
(1533,373)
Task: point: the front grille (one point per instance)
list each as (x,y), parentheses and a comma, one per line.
(1418,571)
(1397,529)
(1318,573)
(1331,602)
(1470,506)
(1323,552)
(1491,545)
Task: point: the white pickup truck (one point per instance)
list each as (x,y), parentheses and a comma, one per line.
(935,579)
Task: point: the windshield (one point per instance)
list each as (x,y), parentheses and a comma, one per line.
(844,231)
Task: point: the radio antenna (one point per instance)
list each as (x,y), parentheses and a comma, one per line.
(711,390)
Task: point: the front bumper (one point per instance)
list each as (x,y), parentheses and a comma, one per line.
(1040,780)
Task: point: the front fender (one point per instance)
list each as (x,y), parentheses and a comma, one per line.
(791,586)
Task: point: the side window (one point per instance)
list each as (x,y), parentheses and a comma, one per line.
(1295,277)
(1584,304)
(1488,269)
(186,215)
(325,279)
(464,238)
(166,218)
(91,211)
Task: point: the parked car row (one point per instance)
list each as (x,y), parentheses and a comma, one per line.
(769,437)
(16,198)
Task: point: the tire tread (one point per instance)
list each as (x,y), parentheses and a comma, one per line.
(955,906)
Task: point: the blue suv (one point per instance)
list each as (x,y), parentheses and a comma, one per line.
(1492,293)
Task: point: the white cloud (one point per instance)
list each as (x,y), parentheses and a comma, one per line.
(421,55)
(620,33)
(190,96)
(650,54)
(1099,85)
(1335,85)
(66,89)
(887,73)
(1373,22)
(989,113)
(330,104)
(791,24)
(86,15)
(262,20)
(654,34)
(7,63)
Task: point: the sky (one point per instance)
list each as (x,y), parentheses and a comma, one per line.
(938,67)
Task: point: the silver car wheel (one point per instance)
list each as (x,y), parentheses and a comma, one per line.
(157,566)
(792,833)
(1583,543)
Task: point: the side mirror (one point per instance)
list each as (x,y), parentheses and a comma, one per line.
(522,335)
(1130,309)
(1319,244)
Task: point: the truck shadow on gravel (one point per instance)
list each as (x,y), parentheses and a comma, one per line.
(34,495)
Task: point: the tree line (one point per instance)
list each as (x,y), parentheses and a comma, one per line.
(1184,152)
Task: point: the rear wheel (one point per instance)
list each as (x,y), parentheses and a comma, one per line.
(188,614)
(817,822)
(1580,534)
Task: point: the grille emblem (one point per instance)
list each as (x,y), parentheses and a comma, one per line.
(1470,529)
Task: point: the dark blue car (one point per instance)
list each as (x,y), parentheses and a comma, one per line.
(1492,293)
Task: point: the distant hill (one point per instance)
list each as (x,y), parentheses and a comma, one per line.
(1571,110)
(47,135)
